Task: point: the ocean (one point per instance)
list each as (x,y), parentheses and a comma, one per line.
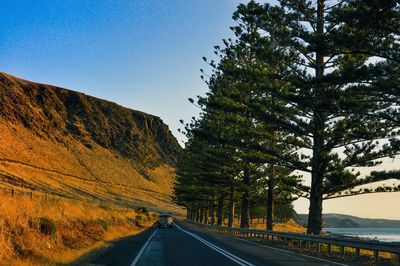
(381,234)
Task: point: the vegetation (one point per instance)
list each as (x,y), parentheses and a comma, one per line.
(305,90)
(45,132)
(58,231)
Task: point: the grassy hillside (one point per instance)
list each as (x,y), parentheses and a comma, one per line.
(60,142)
(73,169)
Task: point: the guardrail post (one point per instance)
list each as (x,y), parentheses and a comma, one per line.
(376,256)
(329,249)
(397,259)
(308,245)
(342,251)
(319,247)
(357,254)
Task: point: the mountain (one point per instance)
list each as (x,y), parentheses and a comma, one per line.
(64,143)
(333,220)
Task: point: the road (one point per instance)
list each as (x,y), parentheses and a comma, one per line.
(185,245)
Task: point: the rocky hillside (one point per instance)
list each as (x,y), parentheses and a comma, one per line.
(334,220)
(61,142)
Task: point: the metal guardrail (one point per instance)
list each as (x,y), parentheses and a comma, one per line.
(308,241)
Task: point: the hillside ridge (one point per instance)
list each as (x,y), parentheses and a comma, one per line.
(46,109)
(63,142)
(335,220)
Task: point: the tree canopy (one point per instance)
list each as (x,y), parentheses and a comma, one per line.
(305,90)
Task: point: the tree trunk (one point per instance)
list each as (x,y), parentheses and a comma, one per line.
(198,214)
(270,200)
(193,214)
(220,211)
(205,217)
(244,221)
(314,225)
(231,206)
(212,214)
(201,214)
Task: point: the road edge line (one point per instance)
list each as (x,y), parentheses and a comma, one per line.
(291,252)
(227,254)
(135,261)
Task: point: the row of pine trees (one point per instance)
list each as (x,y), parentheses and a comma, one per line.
(302,101)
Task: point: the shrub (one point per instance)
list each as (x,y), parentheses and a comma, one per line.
(142,210)
(105,207)
(48,227)
(131,220)
(104,224)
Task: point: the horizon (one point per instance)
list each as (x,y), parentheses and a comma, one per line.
(149,61)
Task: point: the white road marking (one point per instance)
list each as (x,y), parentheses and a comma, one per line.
(291,252)
(216,248)
(135,261)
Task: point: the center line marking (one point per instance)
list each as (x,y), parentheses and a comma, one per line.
(135,261)
(227,254)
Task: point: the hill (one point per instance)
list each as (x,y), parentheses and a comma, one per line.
(333,220)
(59,142)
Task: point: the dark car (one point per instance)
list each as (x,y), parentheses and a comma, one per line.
(165,221)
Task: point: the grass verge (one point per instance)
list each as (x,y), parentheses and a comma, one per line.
(58,231)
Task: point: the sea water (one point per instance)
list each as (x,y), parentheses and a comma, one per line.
(381,234)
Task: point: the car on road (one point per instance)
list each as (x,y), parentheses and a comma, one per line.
(165,221)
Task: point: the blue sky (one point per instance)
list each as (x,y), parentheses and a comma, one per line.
(144,55)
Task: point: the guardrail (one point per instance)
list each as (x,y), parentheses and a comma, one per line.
(311,241)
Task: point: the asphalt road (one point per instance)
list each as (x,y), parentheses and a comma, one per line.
(184,245)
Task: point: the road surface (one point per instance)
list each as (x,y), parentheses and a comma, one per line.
(185,245)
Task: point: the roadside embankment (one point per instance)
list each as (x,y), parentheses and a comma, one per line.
(58,231)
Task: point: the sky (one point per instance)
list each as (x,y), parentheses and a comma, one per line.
(144,55)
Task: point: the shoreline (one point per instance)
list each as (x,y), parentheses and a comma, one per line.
(391,235)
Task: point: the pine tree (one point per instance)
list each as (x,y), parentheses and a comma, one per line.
(336,128)
(232,88)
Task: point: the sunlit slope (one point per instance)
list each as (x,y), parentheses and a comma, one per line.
(62,142)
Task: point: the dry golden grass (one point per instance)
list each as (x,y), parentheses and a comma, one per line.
(76,171)
(65,145)
(54,231)
(290,226)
